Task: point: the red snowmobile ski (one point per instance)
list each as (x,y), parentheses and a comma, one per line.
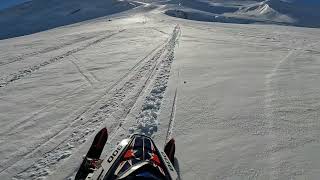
(134,158)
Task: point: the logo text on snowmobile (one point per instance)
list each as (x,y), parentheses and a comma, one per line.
(167,161)
(114,154)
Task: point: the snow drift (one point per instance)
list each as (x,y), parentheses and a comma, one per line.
(38,15)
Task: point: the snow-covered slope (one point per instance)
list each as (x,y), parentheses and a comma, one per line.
(38,15)
(297,13)
(265,10)
(241,100)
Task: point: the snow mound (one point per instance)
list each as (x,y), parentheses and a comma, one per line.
(38,15)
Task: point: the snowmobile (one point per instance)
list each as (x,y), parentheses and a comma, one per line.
(136,157)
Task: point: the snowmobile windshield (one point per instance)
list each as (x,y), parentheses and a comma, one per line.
(143,171)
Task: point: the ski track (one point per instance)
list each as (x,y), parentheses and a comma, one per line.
(43,109)
(82,73)
(269,111)
(29,70)
(46,50)
(120,100)
(88,76)
(78,118)
(269,78)
(160,31)
(76,91)
(271,129)
(172,116)
(127,107)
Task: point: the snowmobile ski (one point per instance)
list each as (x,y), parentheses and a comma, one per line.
(170,149)
(92,159)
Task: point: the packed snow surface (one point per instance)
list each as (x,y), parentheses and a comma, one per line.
(241,100)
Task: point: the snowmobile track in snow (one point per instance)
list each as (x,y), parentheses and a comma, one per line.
(69,53)
(108,109)
(172,116)
(90,108)
(29,70)
(118,99)
(147,120)
(46,50)
(75,91)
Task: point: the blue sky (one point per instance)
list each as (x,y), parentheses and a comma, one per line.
(8,3)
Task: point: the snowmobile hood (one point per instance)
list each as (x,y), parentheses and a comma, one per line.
(143,169)
(133,154)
